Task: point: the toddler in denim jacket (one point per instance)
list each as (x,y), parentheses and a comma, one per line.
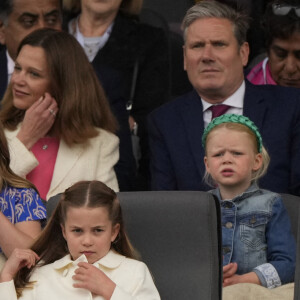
(258,246)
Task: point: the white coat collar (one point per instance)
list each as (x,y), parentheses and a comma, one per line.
(111,260)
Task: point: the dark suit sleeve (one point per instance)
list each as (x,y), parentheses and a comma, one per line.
(162,173)
(276,112)
(294,187)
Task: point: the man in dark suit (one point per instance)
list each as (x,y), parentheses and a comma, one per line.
(215,53)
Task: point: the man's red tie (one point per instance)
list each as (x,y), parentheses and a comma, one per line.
(218,110)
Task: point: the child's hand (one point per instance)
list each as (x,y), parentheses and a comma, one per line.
(19,259)
(229,270)
(90,278)
(250,277)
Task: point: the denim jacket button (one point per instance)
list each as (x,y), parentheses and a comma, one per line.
(228,225)
(226,250)
(253,220)
(228,205)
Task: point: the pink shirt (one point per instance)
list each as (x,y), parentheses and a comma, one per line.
(260,74)
(45,150)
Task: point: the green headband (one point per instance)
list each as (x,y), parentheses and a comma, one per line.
(232,118)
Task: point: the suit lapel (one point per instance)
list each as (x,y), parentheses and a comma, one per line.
(192,115)
(67,157)
(255,106)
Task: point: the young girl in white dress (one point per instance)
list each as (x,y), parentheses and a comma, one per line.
(83,253)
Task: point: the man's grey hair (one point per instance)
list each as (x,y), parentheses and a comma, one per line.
(6,8)
(213,9)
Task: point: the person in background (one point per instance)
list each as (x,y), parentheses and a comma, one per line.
(258,245)
(281,23)
(18,18)
(215,53)
(21,209)
(89,256)
(119,46)
(56,117)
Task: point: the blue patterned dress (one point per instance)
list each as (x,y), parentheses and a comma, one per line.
(21,204)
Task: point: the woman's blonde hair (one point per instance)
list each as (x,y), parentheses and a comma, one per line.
(240,128)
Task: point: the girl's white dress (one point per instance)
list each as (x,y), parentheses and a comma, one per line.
(54,281)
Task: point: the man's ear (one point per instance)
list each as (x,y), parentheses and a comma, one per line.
(244,53)
(2,33)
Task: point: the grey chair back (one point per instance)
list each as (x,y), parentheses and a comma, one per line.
(178,236)
(292,204)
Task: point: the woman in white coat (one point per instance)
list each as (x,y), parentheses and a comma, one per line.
(56,117)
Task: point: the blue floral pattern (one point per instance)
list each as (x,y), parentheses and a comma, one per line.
(21,204)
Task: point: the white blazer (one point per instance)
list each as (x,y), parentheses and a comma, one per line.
(94,160)
(54,281)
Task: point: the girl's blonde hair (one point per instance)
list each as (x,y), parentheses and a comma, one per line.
(241,128)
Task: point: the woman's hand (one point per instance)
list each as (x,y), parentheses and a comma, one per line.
(19,259)
(38,120)
(91,278)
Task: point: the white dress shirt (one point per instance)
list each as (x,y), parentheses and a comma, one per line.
(54,281)
(10,66)
(236,101)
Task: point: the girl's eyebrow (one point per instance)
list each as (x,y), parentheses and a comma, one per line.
(99,226)
(74,226)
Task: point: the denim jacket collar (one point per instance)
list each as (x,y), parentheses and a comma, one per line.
(252,190)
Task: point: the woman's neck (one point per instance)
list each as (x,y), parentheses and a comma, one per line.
(93,25)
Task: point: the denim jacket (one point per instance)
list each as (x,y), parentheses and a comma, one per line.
(256,234)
